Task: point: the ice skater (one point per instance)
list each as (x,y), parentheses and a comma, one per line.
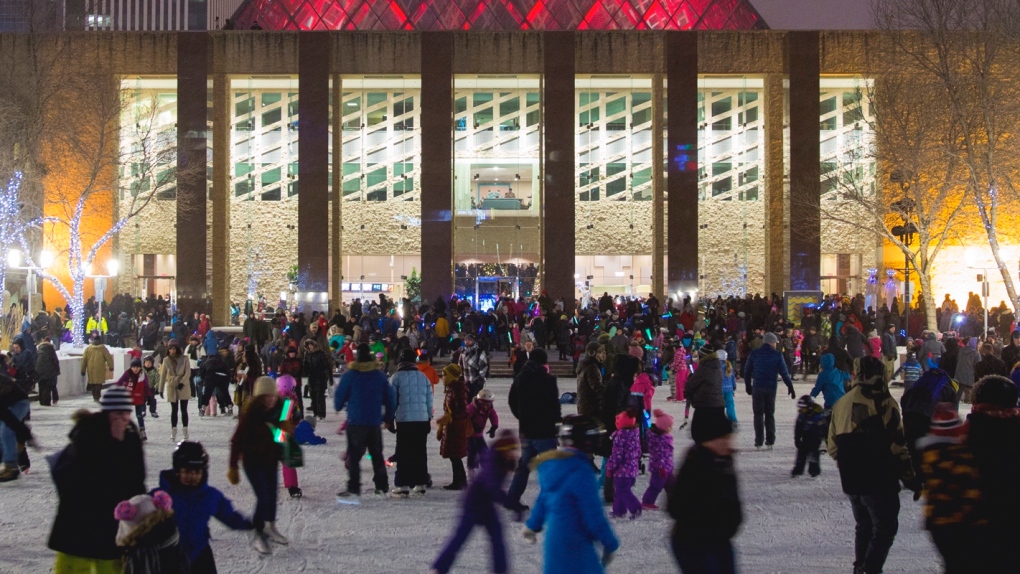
(660,457)
(480,505)
(808,432)
(480,412)
(623,466)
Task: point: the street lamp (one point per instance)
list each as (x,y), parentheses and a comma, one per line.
(112,267)
(14,260)
(905,233)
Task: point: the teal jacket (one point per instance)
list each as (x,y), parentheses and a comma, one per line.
(830,381)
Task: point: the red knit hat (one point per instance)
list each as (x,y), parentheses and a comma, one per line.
(946,422)
(662,420)
(624,420)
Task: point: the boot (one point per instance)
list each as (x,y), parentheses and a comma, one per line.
(9,473)
(274,534)
(173,435)
(261,543)
(141,433)
(185,433)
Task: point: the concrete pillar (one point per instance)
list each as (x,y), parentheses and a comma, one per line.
(777,259)
(682,181)
(221,200)
(805,172)
(658,183)
(336,226)
(313,162)
(436,165)
(192,79)
(560,165)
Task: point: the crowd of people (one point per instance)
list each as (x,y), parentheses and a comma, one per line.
(375,359)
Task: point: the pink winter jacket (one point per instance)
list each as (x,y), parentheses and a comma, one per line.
(643,385)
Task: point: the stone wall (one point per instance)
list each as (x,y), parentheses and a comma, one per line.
(620,227)
(731,246)
(268,249)
(375,227)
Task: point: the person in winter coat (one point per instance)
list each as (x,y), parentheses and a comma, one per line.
(831,382)
(286,389)
(704,387)
(195,503)
(642,392)
(1011,352)
(989,363)
(568,505)
(474,365)
(622,466)
(808,433)
(535,402)
(609,363)
(47,369)
(764,365)
(911,370)
(103,465)
(679,373)
(590,385)
(254,445)
(966,361)
(660,457)
(370,402)
(413,417)
(616,399)
(994,440)
(563,337)
(479,506)
(705,501)
(729,386)
(318,371)
(217,371)
(96,362)
(454,427)
(932,350)
(867,441)
(480,412)
(174,376)
(135,382)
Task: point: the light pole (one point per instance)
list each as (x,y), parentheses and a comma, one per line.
(14,259)
(112,267)
(905,233)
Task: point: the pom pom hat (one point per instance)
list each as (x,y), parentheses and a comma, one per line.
(140,514)
(662,420)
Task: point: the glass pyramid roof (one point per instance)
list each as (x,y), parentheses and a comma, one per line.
(498,15)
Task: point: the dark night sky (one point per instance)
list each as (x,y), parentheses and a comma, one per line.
(815,14)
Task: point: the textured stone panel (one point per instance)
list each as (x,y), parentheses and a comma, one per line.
(382,233)
(620,227)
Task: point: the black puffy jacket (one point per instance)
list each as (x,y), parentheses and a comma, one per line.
(535,401)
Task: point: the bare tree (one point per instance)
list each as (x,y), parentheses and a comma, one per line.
(968,50)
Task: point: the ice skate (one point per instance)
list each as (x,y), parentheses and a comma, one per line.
(294,491)
(418,490)
(141,433)
(400,492)
(649,506)
(260,543)
(684,425)
(173,435)
(201,413)
(9,474)
(379,493)
(154,414)
(348,497)
(185,433)
(274,534)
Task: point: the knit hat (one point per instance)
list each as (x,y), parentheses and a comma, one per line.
(805,402)
(285,384)
(506,442)
(710,425)
(770,339)
(721,355)
(591,349)
(140,514)
(136,362)
(116,398)
(624,420)
(451,372)
(946,422)
(264,386)
(539,356)
(662,420)
(407,356)
(364,354)
(149,359)
(995,391)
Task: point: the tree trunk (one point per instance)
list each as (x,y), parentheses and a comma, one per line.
(993,242)
(929,301)
(78,310)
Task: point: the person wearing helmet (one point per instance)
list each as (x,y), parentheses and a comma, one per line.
(195,503)
(568,506)
(480,412)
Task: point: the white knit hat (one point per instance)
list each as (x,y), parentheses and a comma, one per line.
(140,514)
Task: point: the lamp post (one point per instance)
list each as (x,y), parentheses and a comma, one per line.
(112,267)
(14,259)
(905,233)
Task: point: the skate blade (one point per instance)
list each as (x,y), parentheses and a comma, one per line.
(347,501)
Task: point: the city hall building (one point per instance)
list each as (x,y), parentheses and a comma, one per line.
(493,147)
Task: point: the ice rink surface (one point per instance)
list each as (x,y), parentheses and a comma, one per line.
(801,525)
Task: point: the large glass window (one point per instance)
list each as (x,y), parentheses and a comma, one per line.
(148,138)
(846,131)
(264,138)
(730,139)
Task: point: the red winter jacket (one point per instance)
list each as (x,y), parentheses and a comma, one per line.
(138,385)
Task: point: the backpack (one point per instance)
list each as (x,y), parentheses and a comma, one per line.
(919,401)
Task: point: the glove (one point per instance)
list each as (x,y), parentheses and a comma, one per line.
(793,394)
(607,557)
(529,535)
(748,389)
(914,485)
(492,432)
(232,476)
(392,427)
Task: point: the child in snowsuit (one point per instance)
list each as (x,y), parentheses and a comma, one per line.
(729,385)
(135,382)
(479,505)
(152,376)
(660,457)
(195,503)
(622,466)
(480,412)
(288,389)
(911,370)
(678,374)
(810,429)
(148,533)
(569,503)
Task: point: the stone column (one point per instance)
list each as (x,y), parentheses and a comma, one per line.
(805,171)
(777,272)
(192,79)
(221,200)
(682,180)
(560,161)
(658,181)
(313,161)
(336,226)
(436,165)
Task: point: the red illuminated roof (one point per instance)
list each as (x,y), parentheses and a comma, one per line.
(499,15)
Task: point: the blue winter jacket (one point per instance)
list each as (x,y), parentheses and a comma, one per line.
(729,382)
(830,381)
(414,394)
(569,507)
(193,507)
(212,344)
(366,393)
(305,434)
(764,366)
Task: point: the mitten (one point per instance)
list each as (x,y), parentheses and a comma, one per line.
(492,432)
(529,535)
(233,477)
